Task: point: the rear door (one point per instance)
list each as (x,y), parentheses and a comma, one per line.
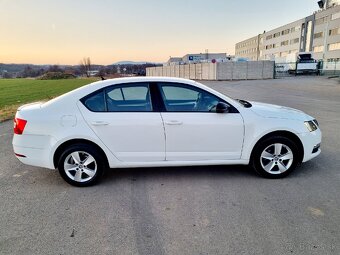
(123,117)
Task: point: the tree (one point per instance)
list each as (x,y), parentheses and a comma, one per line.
(85,66)
(55,68)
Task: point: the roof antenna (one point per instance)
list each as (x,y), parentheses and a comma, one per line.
(102,77)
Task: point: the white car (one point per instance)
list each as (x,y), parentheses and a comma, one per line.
(159,121)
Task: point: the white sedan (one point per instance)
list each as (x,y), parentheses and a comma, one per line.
(158,121)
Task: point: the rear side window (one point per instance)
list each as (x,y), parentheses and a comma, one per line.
(129,98)
(95,102)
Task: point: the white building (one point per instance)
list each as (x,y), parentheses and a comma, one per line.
(198,58)
(318,33)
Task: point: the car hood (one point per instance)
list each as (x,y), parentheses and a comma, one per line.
(277,111)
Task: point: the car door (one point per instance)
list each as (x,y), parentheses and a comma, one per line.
(194,131)
(122,117)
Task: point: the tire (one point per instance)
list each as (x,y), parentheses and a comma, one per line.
(81,165)
(275,157)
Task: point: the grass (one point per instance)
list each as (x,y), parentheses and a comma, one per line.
(16,92)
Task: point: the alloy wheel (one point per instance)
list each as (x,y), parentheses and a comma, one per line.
(276,158)
(80,166)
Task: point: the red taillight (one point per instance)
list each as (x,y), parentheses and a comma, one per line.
(19,126)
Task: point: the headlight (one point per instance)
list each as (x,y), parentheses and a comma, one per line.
(311,126)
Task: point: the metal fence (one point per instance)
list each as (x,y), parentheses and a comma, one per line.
(324,68)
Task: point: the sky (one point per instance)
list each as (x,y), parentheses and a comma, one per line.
(107,31)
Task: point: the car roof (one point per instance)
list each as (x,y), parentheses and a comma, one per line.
(141,79)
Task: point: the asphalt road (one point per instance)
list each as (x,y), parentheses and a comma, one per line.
(191,210)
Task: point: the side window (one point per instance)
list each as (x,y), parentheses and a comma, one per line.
(95,102)
(184,98)
(129,98)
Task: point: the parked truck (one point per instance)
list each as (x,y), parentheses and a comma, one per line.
(306,64)
(298,63)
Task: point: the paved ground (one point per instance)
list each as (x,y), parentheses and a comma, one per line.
(197,210)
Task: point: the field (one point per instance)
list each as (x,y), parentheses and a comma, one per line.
(15,92)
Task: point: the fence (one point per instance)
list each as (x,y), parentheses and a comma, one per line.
(251,70)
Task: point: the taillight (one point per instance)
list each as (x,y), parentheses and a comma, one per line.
(19,126)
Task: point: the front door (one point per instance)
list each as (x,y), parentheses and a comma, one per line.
(194,131)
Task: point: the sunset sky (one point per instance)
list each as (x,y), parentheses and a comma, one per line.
(64,31)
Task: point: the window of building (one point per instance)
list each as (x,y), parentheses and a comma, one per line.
(318,35)
(335,16)
(333,60)
(320,21)
(285,32)
(318,48)
(294,41)
(334,46)
(284,54)
(269,37)
(334,31)
(268,47)
(277,35)
(284,43)
(295,29)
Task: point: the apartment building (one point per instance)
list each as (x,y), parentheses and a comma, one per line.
(326,37)
(249,48)
(318,33)
(280,42)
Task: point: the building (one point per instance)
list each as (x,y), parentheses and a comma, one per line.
(249,48)
(318,33)
(198,58)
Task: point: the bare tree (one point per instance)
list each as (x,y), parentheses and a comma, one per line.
(85,66)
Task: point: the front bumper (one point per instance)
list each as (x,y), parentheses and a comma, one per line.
(311,142)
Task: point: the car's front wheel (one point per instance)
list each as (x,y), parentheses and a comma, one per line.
(275,157)
(81,165)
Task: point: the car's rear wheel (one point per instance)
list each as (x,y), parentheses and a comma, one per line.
(81,165)
(275,157)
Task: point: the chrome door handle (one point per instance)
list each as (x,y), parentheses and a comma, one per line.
(173,122)
(100,123)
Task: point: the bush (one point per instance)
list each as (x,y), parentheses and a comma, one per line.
(56,76)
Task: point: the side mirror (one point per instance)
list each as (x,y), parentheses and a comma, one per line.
(222,107)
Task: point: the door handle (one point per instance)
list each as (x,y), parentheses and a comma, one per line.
(173,122)
(100,123)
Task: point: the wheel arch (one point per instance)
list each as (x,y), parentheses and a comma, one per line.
(58,152)
(286,134)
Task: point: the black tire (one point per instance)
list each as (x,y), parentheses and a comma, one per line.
(257,162)
(99,162)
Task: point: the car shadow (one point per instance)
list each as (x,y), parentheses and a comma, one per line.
(235,172)
(196,172)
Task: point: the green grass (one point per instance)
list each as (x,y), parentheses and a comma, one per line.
(15,92)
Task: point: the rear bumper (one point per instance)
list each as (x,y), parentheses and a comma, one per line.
(311,143)
(34,150)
